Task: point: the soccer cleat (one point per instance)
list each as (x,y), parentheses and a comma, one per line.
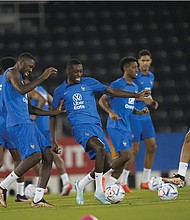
(101,198)
(144,186)
(41,203)
(126,188)
(66,189)
(176,180)
(3,197)
(79,197)
(103,184)
(23,198)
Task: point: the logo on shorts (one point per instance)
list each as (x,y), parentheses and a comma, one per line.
(125,143)
(87,134)
(32,146)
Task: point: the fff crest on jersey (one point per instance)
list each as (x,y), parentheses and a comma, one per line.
(32,146)
(83,88)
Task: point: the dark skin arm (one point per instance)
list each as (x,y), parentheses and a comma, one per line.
(55,147)
(34,94)
(125,94)
(37,111)
(13,76)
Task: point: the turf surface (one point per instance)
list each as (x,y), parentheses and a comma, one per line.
(138,205)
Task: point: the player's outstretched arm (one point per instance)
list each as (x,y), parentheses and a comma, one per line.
(54,143)
(125,94)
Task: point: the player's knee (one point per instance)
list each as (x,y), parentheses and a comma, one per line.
(101,149)
(152,148)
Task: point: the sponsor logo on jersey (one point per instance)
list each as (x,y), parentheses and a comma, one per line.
(1,85)
(77,101)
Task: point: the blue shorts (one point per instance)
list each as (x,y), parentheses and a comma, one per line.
(121,139)
(28,139)
(142,129)
(82,133)
(5,139)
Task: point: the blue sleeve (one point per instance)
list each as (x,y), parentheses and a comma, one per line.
(95,85)
(56,98)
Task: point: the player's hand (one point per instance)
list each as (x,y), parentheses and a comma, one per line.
(58,110)
(55,148)
(145,93)
(114,116)
(145,111)
(49,71)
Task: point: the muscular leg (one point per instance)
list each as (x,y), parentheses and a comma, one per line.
(59,163)
(99,148)
(45,171)
(185,151)
(150,152)
(119,162)
(134,149)
(17,159)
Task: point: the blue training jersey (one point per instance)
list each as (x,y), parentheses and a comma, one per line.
(42,121)
(123,107)
(16,104)
(143,81)
(79,100)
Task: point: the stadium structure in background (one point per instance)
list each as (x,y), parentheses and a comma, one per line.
(100,34)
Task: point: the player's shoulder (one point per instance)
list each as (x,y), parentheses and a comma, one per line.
(118,81)
(88,80)
(60,88)
(151,74)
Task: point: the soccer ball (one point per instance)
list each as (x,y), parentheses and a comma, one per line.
(114,193)
(155,182)
(30,191)
(167,192)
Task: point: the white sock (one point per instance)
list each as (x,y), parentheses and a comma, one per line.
(107,175)
(111,181)
(65,178)
(182,168)
(36,180)
(9,180)
(85,181)
(146,175)
(98,180)
(123,179)
(38,194)
(20,188)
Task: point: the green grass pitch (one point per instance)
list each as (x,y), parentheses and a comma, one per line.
(138,205)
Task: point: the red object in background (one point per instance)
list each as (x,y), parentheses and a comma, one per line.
(76,160)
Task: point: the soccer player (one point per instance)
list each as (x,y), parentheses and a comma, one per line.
(141,125)
(120,111)
(42,123)
(21,130)
(80,105)
(5,63)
